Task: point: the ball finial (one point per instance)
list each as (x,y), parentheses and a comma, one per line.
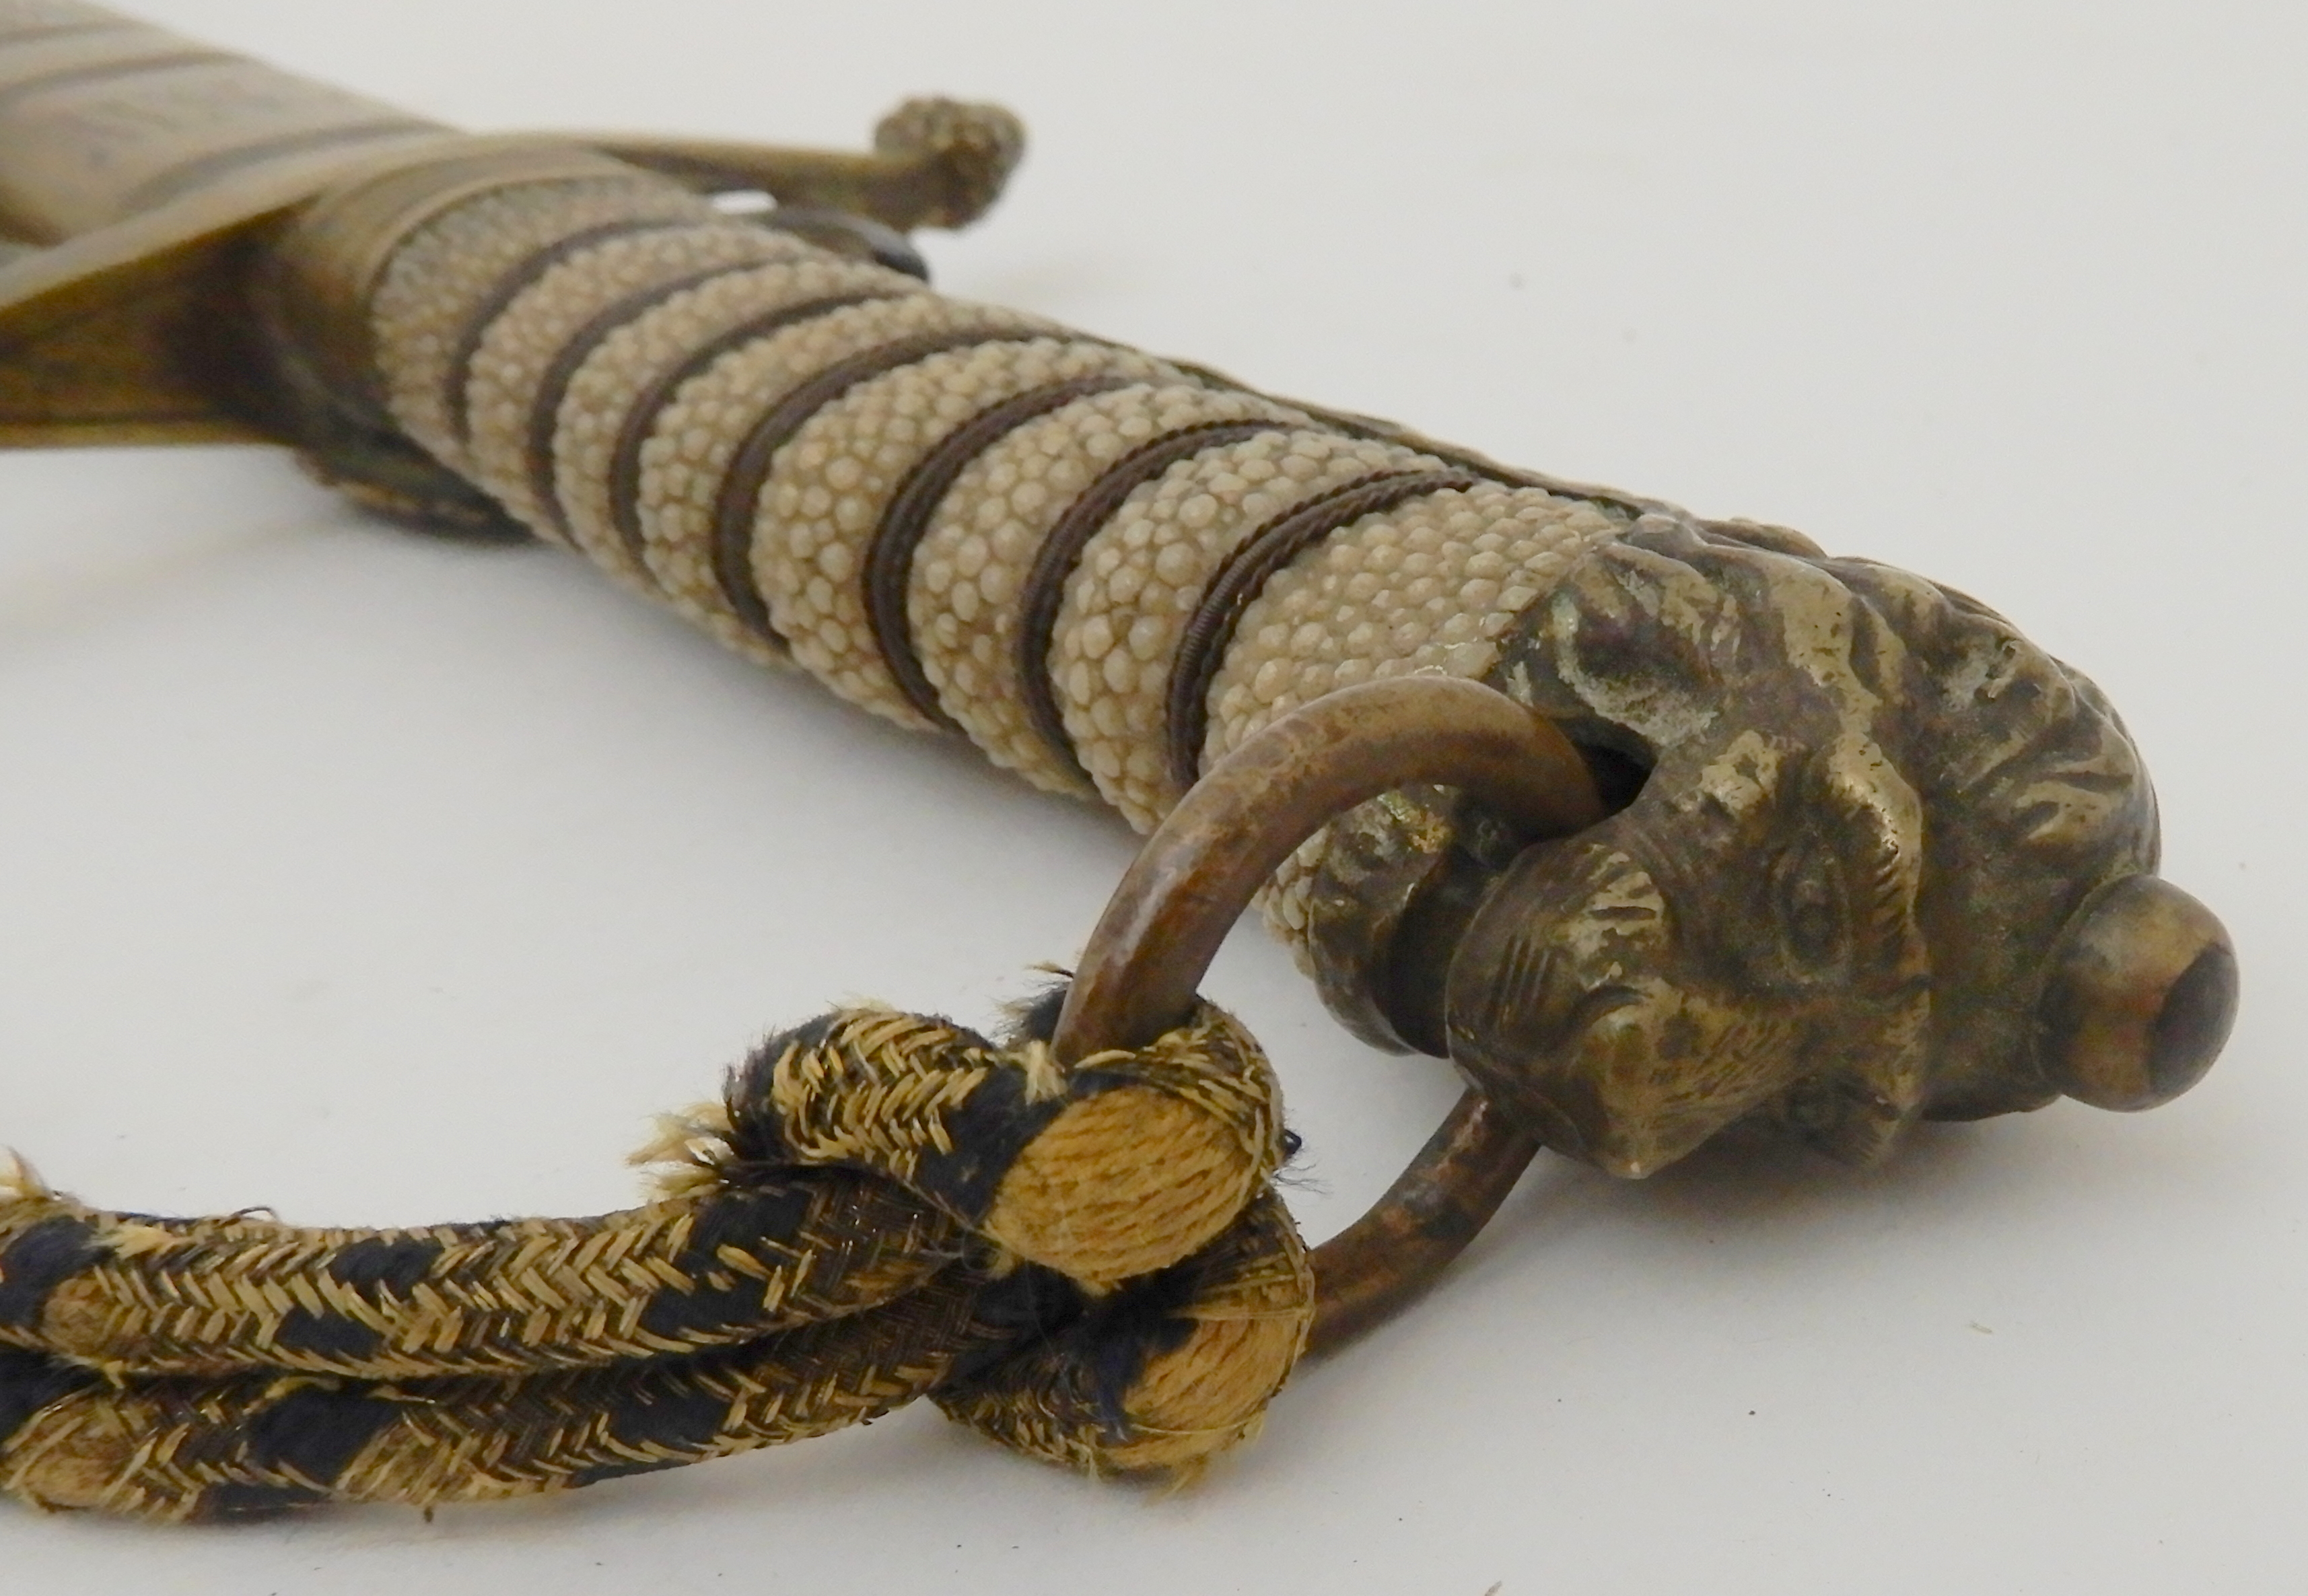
(2140,997)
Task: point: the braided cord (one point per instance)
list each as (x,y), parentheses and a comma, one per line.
(260,1443)
(1087,1264)
(210,1297)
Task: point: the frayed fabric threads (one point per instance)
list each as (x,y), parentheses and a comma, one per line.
(1087,1264)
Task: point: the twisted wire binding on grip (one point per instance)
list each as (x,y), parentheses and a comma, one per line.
(1104,568)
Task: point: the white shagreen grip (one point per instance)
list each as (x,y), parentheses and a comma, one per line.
(1105,569)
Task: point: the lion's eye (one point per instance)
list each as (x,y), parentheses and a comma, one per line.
(1809,906)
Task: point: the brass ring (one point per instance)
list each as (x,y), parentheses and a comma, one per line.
(1196,873)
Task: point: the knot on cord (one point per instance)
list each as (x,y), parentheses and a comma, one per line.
(1088,1264)
(1118,1166)
(1141,1176)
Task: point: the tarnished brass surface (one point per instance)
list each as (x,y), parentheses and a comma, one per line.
(1379,1265)
(1388,906)
(101,125)
(148,164)
(936,163)
(104,341)
(145,162)
(2138,998)
(1771,929)
(1191,880)
(139,333)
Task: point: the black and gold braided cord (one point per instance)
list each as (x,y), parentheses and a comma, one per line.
(885,1206)
(505,1296)
(257,1443)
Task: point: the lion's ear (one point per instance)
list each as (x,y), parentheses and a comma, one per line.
(1878,822)
(1640,637)
(1763,535)
(2084,790)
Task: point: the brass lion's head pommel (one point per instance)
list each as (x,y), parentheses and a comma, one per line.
(1878,857)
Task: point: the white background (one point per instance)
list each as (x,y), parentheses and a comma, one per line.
(383,881)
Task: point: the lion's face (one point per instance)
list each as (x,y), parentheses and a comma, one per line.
(1849,882)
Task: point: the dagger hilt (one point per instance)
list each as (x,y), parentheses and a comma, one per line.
(140,174)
